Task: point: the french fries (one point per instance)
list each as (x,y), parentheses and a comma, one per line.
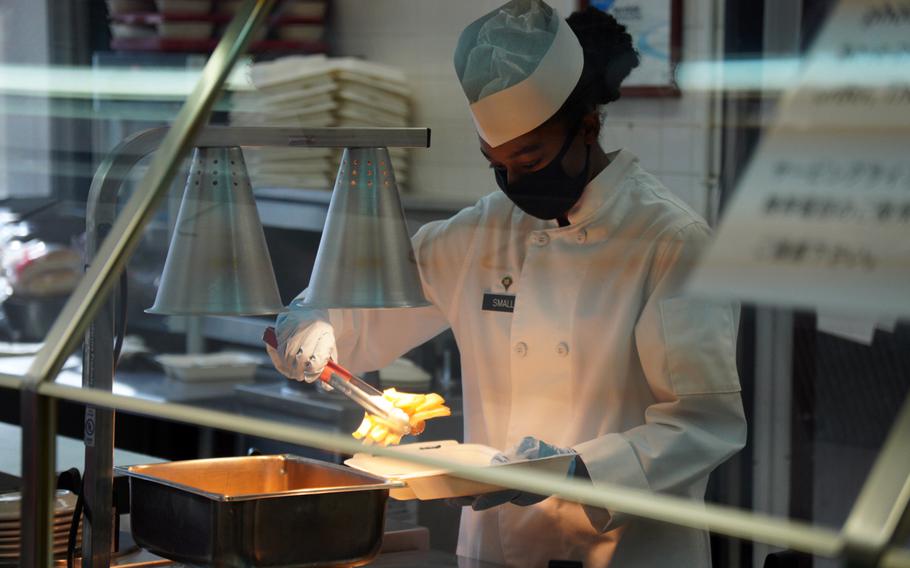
(418,407)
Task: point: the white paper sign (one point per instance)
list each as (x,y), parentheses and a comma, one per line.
(822,215)
(857,74)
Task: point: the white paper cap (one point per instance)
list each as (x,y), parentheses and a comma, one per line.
(517,66)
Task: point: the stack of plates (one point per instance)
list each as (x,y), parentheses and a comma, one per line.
(316,91)
(11,525)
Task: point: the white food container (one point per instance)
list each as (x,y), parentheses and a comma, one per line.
(427,483)
(224,366)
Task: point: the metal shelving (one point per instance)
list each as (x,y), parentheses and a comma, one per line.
(306,209)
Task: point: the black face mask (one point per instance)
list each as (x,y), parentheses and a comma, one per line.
(548,193)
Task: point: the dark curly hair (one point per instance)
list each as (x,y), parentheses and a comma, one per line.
(609,58)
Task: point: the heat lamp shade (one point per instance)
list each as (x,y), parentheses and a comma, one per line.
(365,257)
(218,262)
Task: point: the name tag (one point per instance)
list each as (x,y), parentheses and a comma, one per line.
(498,303)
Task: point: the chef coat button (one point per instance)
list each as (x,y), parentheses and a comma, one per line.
(521,348)
(562,349)
(581,236)
(541,239)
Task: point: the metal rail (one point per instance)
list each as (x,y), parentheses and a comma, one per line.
(870,528)
(667,508)
(896,558)
(39,412)
(11,381)
(724,520)
(884,499)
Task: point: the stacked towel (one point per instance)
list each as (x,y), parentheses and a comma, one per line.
(316,91)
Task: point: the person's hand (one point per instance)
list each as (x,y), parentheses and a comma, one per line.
(529,448)
(306,342)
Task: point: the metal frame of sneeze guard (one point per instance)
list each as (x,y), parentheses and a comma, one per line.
(865,540)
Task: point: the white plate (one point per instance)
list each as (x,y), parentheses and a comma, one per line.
(223,366)
(427,483)
(60,530)
(9,504)
(5,557)
(59,542)
(10,535)
(61,517)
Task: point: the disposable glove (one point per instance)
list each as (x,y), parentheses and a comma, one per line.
(306,342)
(529,448)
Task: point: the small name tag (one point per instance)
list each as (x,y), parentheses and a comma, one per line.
(498,303)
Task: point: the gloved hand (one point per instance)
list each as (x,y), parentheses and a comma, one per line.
(306,342)
(529,448)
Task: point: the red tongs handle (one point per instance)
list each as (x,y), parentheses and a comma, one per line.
(271,339)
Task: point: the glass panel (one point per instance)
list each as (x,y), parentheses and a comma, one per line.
(557,287)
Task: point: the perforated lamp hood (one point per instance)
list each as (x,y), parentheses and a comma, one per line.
(365,257)
(217,262)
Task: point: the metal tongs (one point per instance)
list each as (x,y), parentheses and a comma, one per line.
(358,390)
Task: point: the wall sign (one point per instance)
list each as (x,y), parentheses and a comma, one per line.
(821,218)
(656,29)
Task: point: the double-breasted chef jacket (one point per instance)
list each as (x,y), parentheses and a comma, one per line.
(600,353)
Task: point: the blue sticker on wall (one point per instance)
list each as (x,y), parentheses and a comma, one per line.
(646,43)
(602,5)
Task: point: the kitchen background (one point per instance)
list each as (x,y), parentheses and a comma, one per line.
(673,137)
(807,410)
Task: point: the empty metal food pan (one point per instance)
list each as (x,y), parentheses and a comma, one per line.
(258,511)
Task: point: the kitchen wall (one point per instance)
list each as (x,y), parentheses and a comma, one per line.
(676,139)
(24,121)
(670,136)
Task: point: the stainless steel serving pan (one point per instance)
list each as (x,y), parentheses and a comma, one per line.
(277,511)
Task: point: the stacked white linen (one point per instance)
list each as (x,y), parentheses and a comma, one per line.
(314,91)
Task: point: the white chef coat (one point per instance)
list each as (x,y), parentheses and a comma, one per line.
(601,354)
